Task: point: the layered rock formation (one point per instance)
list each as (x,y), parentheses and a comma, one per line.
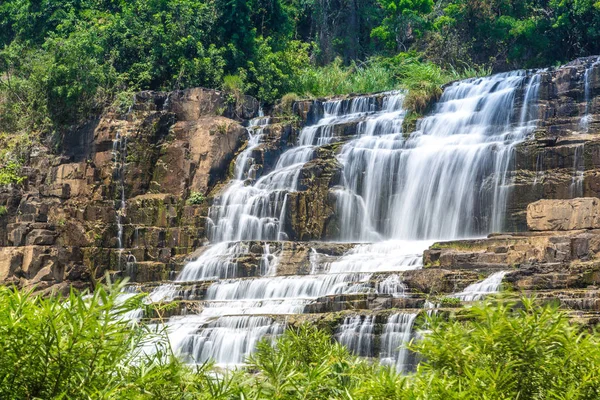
(131,193)
(116,198)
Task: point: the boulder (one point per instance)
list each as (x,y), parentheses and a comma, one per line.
(564,215)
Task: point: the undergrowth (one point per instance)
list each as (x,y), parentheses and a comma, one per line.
(82,347)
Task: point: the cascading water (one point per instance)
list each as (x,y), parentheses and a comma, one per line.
(356,333)
(479,290)
(447,180)
(399,192)
(397,334)
(576,187)
(585,121)
(119,153)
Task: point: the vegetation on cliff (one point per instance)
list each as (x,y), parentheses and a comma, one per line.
(61,61)
(84,347)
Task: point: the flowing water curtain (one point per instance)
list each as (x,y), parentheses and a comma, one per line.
(446,180)
(251,208)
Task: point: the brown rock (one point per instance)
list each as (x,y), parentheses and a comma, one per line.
(563,215)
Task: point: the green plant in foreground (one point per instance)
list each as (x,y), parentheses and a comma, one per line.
(82,347)
(447,301)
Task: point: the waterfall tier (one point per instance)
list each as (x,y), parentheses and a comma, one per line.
(397,192)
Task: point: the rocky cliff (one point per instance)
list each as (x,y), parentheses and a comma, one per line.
(130,194)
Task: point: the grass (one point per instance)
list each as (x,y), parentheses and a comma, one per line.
(336,79)
(422,80)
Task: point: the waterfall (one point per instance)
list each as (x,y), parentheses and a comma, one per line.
(479,290)
(119,153)
(228,340)
(392,285)
(254,210)
(446,180)
(576,187)
(585,121)
(397,334)
(356,333)
(398,193)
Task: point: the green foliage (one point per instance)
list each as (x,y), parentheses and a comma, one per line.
(3,211)
(233,84)
(11,173)
(508,351)
(196,198)
(449,301)
(287,102)
(64,61)
(403,22)
(304,364)
(82,346)
(274,73)
(336,79)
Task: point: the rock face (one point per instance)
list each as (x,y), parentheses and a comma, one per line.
(556,262)
(564,215)
(115,199)
(562,160)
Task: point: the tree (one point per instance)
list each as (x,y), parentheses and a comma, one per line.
(403,22)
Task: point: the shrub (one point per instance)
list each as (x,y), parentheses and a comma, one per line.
(507,351)
(11,173)
(3,211)
(196,198)
(287,101)
(337,79)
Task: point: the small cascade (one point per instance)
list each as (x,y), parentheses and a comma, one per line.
(584,123)
(119,153)
(356,333)
(479,290)
(228,341)
(394,255)
(127,293)
(255,210)
(219,262)
(392,285)
(397,334)
(539,169)
(576,187)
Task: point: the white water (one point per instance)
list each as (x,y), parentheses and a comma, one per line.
(397,334)
(479,290)
(119,150)
(576,187)
(585,121)
(447,180)
(356,333)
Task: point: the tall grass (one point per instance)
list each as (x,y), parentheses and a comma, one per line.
(422,80)
(336,79)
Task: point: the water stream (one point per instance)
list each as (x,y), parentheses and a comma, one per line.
(399,192)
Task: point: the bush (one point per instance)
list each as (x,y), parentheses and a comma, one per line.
(508,351)
(288,100)
(336,79)
(196,198)
(81,346)
(3,211)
